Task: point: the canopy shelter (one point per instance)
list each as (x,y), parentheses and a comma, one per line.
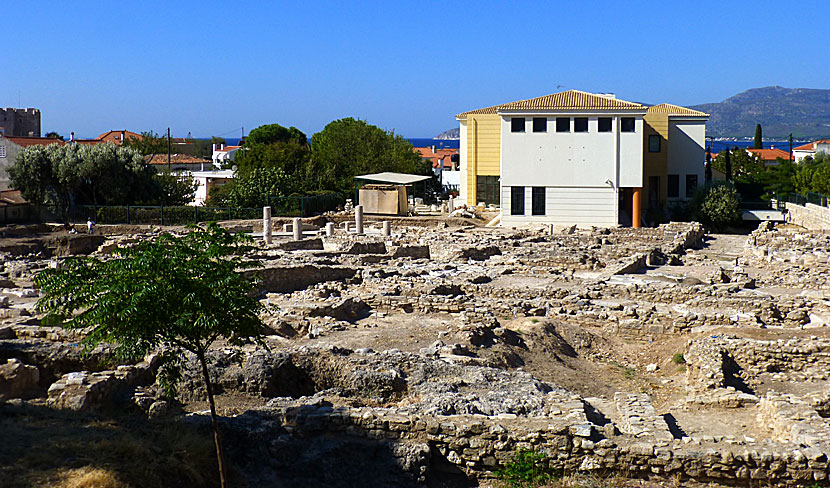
(385,192)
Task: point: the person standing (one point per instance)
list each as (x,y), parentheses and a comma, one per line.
(90,224)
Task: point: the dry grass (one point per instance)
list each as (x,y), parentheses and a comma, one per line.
(89,477)
(45,447)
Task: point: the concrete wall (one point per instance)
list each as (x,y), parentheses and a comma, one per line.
(809,216)
(686,153)
(583,206)
(581,171)
(11,150)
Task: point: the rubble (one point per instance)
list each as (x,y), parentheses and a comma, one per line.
(659,352)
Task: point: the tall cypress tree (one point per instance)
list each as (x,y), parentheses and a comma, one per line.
(758,142)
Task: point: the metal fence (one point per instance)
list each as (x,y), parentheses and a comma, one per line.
(299,206)
(811,197)
(304,206)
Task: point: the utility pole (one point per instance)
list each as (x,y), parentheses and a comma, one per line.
(791,147)
(169,166)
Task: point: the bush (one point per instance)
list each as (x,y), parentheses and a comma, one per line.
(678,358)
(717,205)
(527,468)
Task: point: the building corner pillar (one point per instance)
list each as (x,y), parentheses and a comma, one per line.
(635,207)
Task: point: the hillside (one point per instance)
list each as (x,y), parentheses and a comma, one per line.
(804,112)
(450,134)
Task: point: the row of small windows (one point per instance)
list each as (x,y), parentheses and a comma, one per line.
(563,124)
(517,200)
(673,188)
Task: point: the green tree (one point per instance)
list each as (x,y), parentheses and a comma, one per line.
(717,205)
(349,147)
(175,189)
(820,182)
(101,174)
(250,190)
(203,148)
(173,294)
(272,133)
(745,165)
(758,143)
(291,157)
(149,144)
(53,135)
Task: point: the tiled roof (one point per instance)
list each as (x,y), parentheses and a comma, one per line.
(11,197)
(175,159)
(769,154)
(572,100)
(34,141)
(810,146)
(566,100)
(669,109)
(115,135)
(228,149)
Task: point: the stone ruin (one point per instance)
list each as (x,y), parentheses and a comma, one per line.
(664,353)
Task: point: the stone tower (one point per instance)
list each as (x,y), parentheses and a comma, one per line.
(16,122)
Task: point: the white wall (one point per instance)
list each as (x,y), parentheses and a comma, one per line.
(566,206)
(462,162)
(575,167)
(686,152)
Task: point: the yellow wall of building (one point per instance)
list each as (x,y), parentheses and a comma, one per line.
(483,150)
(655,164)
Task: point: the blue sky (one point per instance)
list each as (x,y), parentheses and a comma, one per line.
(211,67)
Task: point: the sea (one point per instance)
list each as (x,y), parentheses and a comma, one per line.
(717,145)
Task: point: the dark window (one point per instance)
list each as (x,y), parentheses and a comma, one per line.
(540,124)
(604,124)
(580,124)
(563,124)
(691,185)
(674,186)
(653,143)
(538,201)
(487,189)
(517,124)
(626,124)
(517,200)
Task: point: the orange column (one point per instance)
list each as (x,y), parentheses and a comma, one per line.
(635,207)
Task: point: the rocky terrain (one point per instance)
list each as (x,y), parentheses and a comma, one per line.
(430,356)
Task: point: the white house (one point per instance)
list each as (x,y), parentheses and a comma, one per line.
(223,154)
(580,158)
(810,149)
(208,180)
(568,158)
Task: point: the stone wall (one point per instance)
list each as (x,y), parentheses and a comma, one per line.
(476,444)
(809,216)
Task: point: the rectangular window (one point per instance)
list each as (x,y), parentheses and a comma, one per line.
(487,190)
(654,143)
(674,186)
(580,124)
(2,149)
(691,185)
(538,200)
(626,124)
(517,200)
(540,124)
(517,124)
(604,124)
(563,124)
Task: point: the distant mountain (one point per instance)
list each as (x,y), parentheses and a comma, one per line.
(450,134)
(804,112)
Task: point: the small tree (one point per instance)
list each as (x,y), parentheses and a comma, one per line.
(758,143)
(717,205)
(174,294)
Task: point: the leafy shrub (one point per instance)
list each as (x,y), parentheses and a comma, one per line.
(678,358)
(527,468)
(717,205)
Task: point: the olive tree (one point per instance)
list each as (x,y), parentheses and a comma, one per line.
(172,294)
